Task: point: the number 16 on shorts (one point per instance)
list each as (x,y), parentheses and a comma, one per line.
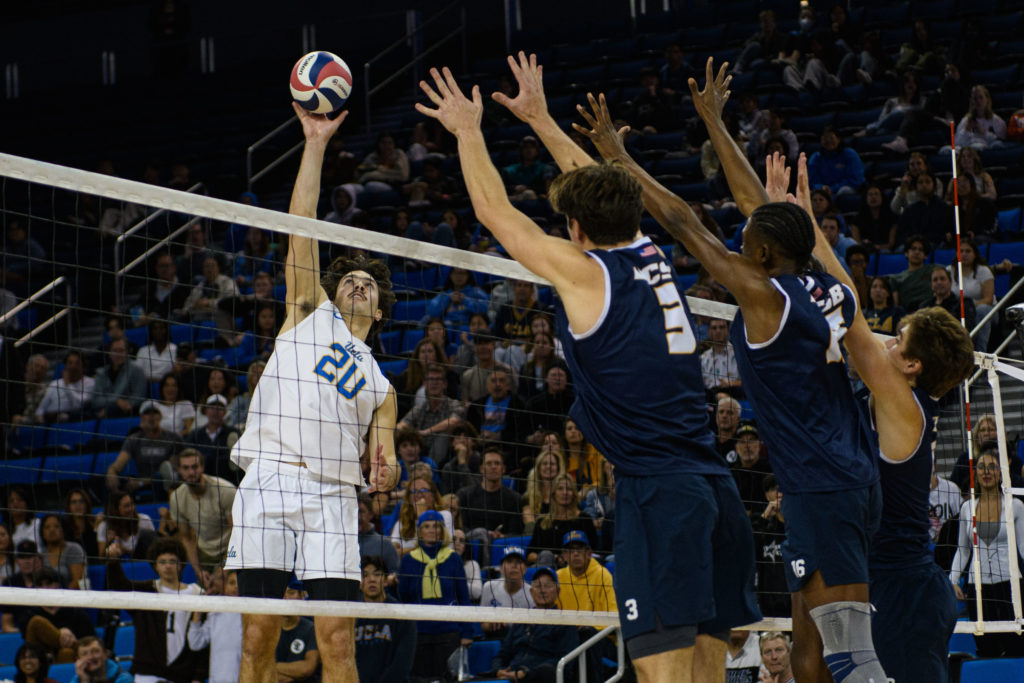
(798,568)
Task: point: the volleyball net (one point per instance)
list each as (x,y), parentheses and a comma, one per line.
(104,272)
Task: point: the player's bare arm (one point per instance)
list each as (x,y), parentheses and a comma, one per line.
(530,106)
(898,418)
(762,304)
(578,278)
(384,470)
(302,265)
(744,185)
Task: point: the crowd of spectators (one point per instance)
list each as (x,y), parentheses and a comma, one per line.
(497,482)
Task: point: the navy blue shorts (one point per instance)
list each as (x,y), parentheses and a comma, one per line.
(829,532)
(684,550)
(915,616)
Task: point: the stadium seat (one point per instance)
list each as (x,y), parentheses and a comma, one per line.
(97,574)
(181,334)
(889,264)
(391,342)
(116,428)
(686,281)
(480,655)
(103,461)
(71,434)
(21,471)
(66,468)
(124,642)
(9,644)
(610,566)
(992,670)
(29,437)
(1002,285)
(962,645)
(410,338)
(7,672)
(943,257)
(1006,250)
(409,311)
(62,673)
(1009,221)
(137,335)
(393,367)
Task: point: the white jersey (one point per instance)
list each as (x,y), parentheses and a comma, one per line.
(315,400)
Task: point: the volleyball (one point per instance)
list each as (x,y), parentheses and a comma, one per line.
(321,82)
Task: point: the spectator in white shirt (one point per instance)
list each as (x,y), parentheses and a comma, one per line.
(742,657)
(944,502)
(156,359)
(718,363)
(211,288)
(70,397)
(511,590)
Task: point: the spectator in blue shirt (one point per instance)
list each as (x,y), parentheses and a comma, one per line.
(92,665)
(530,177)
(835,166)
(836,239)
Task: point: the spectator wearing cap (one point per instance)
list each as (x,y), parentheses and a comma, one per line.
(384,647)
(120,386)
(749,466)
(530,177)
(769,533)
(530,652)
(437,416)
(71,396)
(432,574)
(148,448)
(215,439)
(297,655)
(718,362)
(511,590)
(93,666)
(27,561)
(56,629)
(584,584)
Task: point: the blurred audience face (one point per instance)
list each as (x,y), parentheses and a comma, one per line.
(718,332)
(557,380)
(373,582)
(727,416)
(830,226)
(873,198)
(544,591)
(916,254)
(37,370)
(941,284)
(74,370)
(493,467)
(748,447)
(775,656)
(498,384)
(168,568)
(190,469)
(430,532)
(93,658)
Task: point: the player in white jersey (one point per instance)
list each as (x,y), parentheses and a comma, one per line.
(321,403)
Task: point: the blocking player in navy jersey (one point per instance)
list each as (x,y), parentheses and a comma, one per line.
(685,570)
(930,354)
(786,338)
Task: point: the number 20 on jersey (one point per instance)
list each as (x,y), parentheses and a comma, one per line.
(342,371)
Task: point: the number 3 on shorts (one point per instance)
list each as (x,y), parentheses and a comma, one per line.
(631,611)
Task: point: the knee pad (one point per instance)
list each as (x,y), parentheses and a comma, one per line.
(845,629)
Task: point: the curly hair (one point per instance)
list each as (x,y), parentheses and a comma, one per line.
(342,266)
(788,228)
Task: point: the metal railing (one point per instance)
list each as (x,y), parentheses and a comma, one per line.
(413,36)
(253,177)
(999,306)
(119,245)
(586,645)
(49,322)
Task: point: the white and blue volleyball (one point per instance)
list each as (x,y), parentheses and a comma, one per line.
(321,82)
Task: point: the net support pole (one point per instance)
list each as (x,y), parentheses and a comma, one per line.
(1004,469)
(975,561)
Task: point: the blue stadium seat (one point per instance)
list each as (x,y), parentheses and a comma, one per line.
(686,281)
(498,546)
(30,437)
(62,673)
(71,434)
(391,342)
(124,641)
(205,332)
(409,311)
(889,264)
(480,655)
(963,644)
(410,338)
(181,333)
(992,670)
(424,280)
(811,124)
(1002,285)
(21,471)
(1009,221)
(116,428)
(393,367)
(943,257)
(137,335)
(67,468)
(610,566)
(1006,250)
(138,570)
(97,574)
(7,672)
(103,461)
(9,644)
(151,509)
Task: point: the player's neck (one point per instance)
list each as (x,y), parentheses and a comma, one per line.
(358,325)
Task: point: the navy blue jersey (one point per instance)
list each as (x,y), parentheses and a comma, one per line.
(903,538)
(639,391)
(798,386)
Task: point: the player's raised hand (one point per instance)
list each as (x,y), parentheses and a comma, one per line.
(317,127)
(530,104)
(602,132)
(803,186)
(777,175)
(710,101)
(383,475)
(455,111)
